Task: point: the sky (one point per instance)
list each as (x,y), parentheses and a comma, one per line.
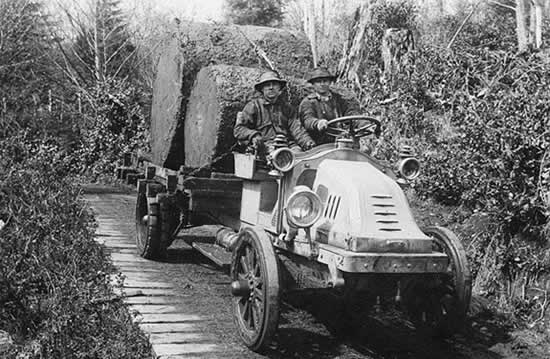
(201,10)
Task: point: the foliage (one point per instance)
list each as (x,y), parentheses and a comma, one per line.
(25,72)
(490,28)
(118,125)
(477,116)
(54,278)
(499,105)
(254,12)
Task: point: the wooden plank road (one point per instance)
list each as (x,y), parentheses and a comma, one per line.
(174,331)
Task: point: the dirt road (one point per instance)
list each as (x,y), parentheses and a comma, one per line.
(311,325)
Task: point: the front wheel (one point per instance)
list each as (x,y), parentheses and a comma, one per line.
(439,306)
(255,270)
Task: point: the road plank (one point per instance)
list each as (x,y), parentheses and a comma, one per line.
(180,338)
(131,283)
(169,327)
(176,349)
(154,300)
(155,309)
(137,292)
(169,318)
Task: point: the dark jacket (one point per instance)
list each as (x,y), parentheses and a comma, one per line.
(314,108)
(269,120)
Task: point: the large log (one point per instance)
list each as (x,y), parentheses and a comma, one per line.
(220,91)
(196,45)
(165,131)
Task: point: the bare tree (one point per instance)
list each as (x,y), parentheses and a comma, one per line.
(324,22)
(529,19)
(99,46)
(521,24)
(537,10)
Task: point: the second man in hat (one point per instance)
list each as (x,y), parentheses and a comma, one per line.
(323,105)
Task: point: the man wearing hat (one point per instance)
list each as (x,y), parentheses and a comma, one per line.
(323,105)
(269,121)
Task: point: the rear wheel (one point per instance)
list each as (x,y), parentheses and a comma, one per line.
(148,223)
(438,307)
(255,271)
(169,219)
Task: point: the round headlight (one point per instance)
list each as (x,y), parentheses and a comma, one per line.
(409,168)
(303,207)
(282,159)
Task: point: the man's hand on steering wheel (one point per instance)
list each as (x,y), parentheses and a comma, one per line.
(353,130)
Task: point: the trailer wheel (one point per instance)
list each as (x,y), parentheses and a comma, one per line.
(439,307)
(148,231)
(255,275)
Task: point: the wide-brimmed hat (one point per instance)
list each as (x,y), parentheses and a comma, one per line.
(267,77)
(320,73)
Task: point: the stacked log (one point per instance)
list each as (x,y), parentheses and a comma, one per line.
(197,45)
(220,91)
(165,141)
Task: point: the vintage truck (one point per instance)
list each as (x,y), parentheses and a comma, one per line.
(331,218)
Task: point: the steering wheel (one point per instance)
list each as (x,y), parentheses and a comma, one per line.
(353,130)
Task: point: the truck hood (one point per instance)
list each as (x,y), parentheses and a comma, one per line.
(364,210)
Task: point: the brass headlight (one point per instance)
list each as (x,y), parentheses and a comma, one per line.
(282,159)
(409,168)
(303,207)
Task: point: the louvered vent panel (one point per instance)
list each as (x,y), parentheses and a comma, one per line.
(386,215)
(332,206)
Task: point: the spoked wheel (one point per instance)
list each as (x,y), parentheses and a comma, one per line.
(148,228)
(255,286)
(439,307)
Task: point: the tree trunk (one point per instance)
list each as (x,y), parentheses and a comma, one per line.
(311,31)
(538,14)
(351,65)
(532,24)
(97,55)
(198,45)
(521,25)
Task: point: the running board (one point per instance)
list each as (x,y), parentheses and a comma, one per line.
(215,253)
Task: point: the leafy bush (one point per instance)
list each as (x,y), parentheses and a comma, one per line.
(498,104)
(115,123)
(54,278)
(477,115)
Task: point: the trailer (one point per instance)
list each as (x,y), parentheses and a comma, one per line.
(331,218)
